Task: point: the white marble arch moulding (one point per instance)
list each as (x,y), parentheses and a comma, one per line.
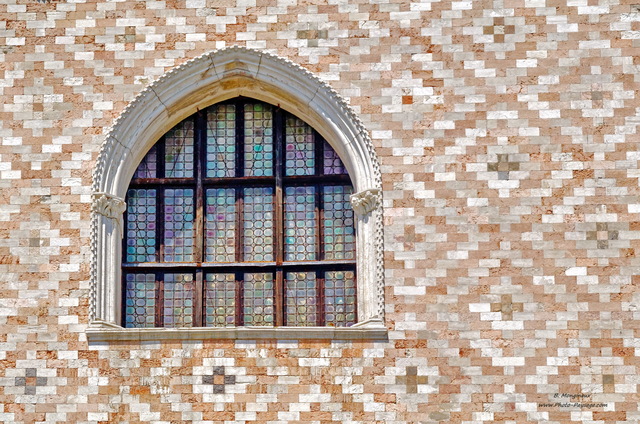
(201,82)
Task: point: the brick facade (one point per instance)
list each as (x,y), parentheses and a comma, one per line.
(507,134)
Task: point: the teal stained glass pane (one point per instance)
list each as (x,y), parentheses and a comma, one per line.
(258,140)
(140,300)
(299,148)
(340,298)
(148,168)
(338,223)
(221,141)
(301,299)
(141,226)
(220,225)
(179,151)
(178,300)
(178,225)
(258,240)
(300,235)
(220,300)
(332,164)
(258,299)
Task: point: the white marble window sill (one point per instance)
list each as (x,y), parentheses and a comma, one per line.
(371,330)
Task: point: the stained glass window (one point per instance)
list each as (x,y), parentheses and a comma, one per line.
(140,304)
(240,216)
(300,223)
(220,225)
(220,295)
(221,141)
(302,300)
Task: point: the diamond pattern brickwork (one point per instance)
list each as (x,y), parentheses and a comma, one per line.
(508,139)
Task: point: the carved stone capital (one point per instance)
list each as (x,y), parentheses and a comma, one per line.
(108,205)
(366,201)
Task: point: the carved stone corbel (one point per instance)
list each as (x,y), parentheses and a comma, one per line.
(366,201)
(109,206)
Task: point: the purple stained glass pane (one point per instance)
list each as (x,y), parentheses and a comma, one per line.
(338,223)
(140,300)
(220,225)
(141,226)
(301,299)
(221,141)
(332,164)
(178,300)
(149,166)
(340,298)
(258,140)
(300,235)
(299,148)
(179,151)
(178,225)
(258,299)
(258,240)
(220,300)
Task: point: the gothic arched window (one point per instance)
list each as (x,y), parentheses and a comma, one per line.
(239,216)
(208,269)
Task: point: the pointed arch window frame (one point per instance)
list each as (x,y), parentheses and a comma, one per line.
(208,79)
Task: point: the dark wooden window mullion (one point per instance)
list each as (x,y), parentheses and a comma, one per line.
(239,253)
(318,144)
(355,306)
(319,191)
(279,292)
(160,201)
(123,296)
(160,152)
(239,173)
(297,180)
(320,276)
(159,318)
(278,124)
(239,139)
(125,240)
(200,135)
(239,317)
(159,182)
(239,191)
(160,223)
(200,155)
(198,302)
(319,222)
